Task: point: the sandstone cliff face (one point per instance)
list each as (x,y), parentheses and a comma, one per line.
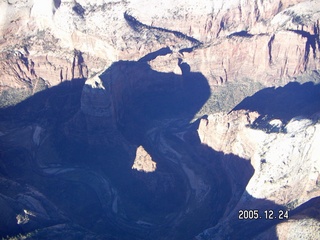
(269,58)
(54,41)
(182,50)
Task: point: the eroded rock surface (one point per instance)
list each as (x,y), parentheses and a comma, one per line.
(268,42)
(286,164)
(143,161)
(86,82)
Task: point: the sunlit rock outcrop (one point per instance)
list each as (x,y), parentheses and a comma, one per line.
(198,86)
(286,162)
(54,41)
(143,161)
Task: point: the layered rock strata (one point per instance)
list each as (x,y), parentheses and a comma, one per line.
(266,42)
(124,51)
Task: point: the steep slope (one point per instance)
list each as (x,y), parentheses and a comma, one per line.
(265,42)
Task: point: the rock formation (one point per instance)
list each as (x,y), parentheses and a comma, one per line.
(222,98)
(143,161)
(273,155)
(268,42)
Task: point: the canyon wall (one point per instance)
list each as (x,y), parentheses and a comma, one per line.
(130,54)
(267,42)
(286,171)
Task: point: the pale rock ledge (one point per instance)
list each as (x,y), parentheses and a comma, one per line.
(143,161)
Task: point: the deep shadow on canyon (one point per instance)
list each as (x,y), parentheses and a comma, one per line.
(98,194)
(284,103)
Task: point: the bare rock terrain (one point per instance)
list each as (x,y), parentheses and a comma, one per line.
(44,44)
(143,161)
(285,162)
(123,119)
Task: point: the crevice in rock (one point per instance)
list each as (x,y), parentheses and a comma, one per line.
(240,11)
(61,75)
(316,30)
(270,48)
(78,66)
(221,27)
(310,43)
(256,11)
(280,6)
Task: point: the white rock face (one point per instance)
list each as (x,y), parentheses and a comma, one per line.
(297,124)
(290,167)
(286,168)
(290,17)
(42,11)
(143,161)
(276,123)
(287,165)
